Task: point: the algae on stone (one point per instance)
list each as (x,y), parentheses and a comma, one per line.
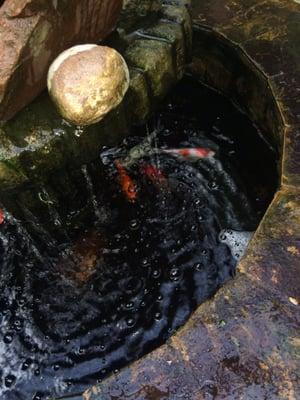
(155,59)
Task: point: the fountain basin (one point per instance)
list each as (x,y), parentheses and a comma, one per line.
(243,341)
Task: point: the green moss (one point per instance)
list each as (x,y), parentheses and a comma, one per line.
(173,34)
(155,59)
(138,97)
(180,15)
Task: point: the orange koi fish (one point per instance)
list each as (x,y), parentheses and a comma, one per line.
(154,174)
(2,218)
(127,184)
(191,154)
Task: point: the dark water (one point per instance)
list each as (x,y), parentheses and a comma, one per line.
(119,277)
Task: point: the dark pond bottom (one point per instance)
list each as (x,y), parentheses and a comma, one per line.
(91,281)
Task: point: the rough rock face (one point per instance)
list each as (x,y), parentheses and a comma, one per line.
(135,10)
(34,32)
(87,81)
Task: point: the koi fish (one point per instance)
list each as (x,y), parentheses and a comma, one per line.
(127,184)
(1,217)
(154,174)
(192,154)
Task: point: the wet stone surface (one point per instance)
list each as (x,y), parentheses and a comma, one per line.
(113,279)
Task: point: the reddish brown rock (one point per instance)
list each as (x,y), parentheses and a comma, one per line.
(34,32)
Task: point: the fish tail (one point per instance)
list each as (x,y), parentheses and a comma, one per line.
(128,185)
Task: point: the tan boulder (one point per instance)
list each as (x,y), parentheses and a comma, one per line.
(87,81)
(34,32)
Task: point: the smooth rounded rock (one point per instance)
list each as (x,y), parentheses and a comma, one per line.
(87,81)
(34,32)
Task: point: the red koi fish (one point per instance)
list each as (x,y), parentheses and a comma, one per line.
(192,154)
(128,185)
(2,218)
(155,175)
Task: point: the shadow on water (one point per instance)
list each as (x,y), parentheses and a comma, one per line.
(91,281)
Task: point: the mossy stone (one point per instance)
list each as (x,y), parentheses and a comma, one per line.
(154,57)
(138,97)
(172,33)
(180,15)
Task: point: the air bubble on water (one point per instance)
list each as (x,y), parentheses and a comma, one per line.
(26,364)
(8,338)
(174,274)
(130,322)
(156,273)
(134,224)
(157,316)
(145,262)
(37,396)
(129,305)
(213,185)
(199,266)
(9,380)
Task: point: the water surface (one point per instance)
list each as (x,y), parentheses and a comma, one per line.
(91,281)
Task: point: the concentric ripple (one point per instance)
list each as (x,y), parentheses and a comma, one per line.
(71,313)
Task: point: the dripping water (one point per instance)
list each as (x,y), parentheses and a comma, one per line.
(97,210)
